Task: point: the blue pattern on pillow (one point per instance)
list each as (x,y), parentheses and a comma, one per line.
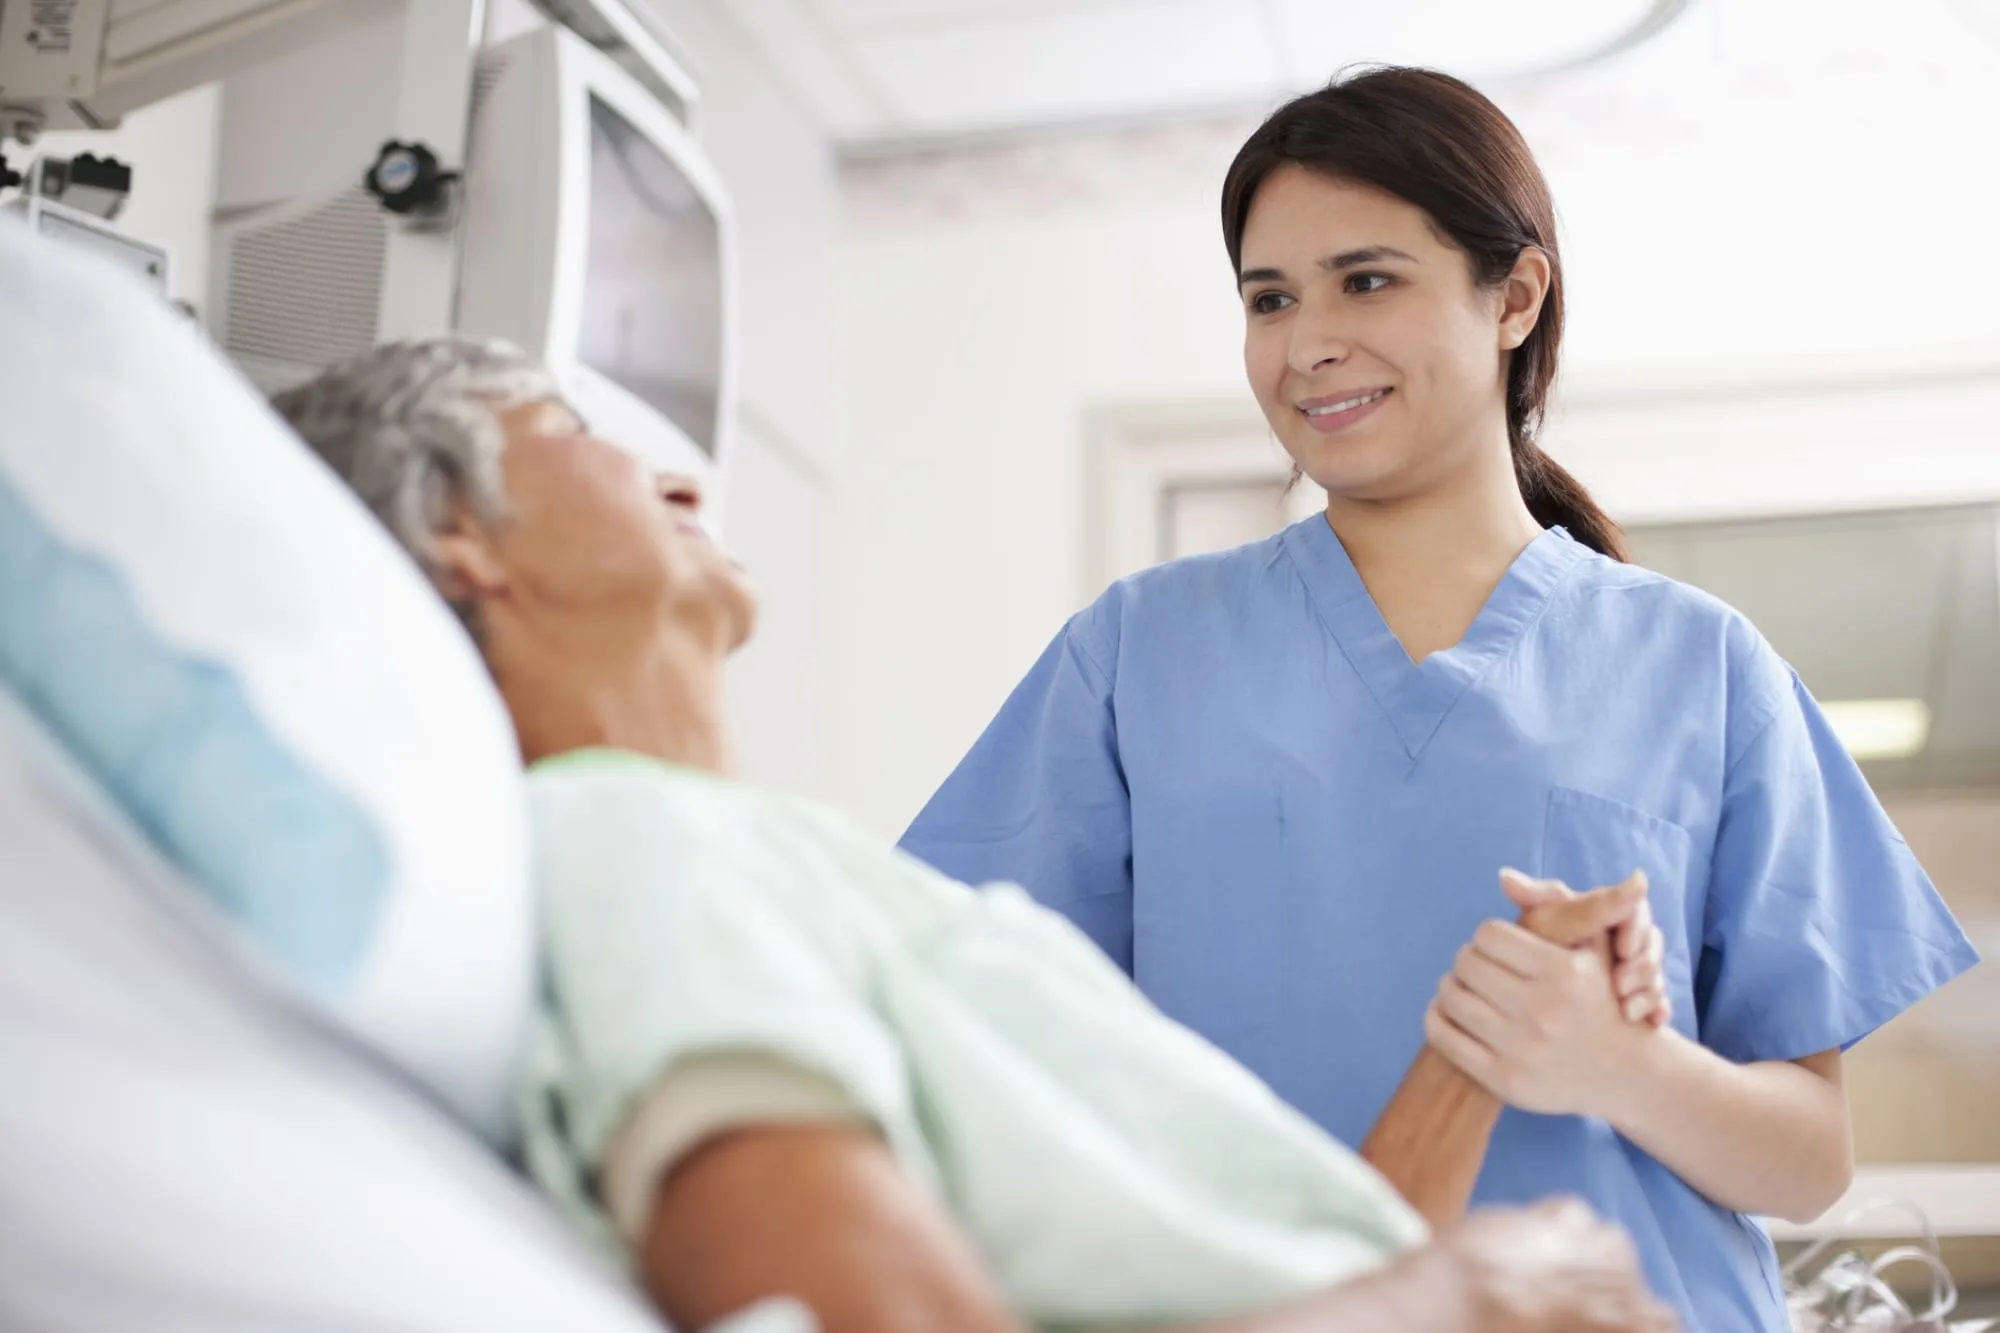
(173,738)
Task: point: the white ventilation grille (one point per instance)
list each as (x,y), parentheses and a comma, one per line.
(486,75)
(306,291)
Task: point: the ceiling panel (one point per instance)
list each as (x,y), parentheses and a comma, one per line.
(1470,38)
(1073,64)
(857,17)
(125,9)
(1966,691)
(816,65)
(1811,590)
(887,73)
(1870,606)
(1982,16)
(1811,587)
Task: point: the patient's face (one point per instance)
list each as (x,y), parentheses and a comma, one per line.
(592,531)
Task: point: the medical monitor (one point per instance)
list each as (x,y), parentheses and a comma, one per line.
(592,233)
(597,236)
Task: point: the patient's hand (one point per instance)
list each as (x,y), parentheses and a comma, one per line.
(1633,947)
(1554,1268)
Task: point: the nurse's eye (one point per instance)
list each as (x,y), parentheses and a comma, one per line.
(1367,284)
(1268,303)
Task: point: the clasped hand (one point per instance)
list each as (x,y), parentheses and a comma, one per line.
(1548,1013)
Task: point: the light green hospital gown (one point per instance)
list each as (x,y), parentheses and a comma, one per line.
(1110,1166)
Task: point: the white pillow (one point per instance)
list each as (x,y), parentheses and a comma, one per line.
(184,1149)
(237,653)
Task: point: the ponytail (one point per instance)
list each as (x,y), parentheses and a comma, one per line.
(1557,499)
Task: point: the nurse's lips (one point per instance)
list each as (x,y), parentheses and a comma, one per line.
(1335,412)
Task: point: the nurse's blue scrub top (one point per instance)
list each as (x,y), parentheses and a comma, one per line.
(1231,776)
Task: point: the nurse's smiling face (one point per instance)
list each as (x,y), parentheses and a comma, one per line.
(1378,361)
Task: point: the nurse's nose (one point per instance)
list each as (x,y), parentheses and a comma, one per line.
(1319,341)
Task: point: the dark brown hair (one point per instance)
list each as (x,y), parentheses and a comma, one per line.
(1437,143)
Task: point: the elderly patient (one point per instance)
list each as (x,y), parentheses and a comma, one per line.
(778,1057)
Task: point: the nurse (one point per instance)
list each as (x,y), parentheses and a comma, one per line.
(1278,784)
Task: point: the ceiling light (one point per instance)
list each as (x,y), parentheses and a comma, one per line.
(1880,728)
(1465,37)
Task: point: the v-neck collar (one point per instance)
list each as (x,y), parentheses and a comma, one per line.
(1415,697)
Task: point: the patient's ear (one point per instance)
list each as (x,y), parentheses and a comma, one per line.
(462,561)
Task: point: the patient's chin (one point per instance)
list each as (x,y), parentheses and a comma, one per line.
(717,606)
(743,612)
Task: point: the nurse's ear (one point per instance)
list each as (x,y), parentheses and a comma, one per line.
(1522,293)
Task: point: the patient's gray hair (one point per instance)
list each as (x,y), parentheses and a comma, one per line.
(413,428)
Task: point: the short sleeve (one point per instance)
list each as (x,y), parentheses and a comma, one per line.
(1819,926)
(698,1100)
(663,950)
(1040,800)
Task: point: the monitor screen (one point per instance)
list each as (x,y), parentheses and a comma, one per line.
(652,293)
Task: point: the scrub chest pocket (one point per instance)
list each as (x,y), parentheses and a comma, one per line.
(1590,841)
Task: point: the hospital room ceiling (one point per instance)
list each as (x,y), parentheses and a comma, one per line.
(1882,615)
(899,72)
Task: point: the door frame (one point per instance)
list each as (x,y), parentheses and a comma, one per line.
(1138,457)
(1655,448)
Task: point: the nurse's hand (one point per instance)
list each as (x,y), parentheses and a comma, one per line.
(1534,1022)
(1551,909)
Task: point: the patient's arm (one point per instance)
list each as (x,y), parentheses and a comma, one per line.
(1431,1139)
(827,1216)
(822,1214)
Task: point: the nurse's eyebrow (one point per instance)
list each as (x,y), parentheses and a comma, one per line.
(1346,259)
(1369,254)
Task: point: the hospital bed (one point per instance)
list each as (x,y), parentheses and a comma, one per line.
(210,1122)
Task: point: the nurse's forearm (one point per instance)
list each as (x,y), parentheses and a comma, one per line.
(1771,1138)
(1431,1140)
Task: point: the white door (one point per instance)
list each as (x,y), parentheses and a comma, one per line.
(1216,515)
(1180,483)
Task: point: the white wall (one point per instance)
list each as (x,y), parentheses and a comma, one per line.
(309,122)
(1771,191)
(171,148)
(973,344)
(781,493)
